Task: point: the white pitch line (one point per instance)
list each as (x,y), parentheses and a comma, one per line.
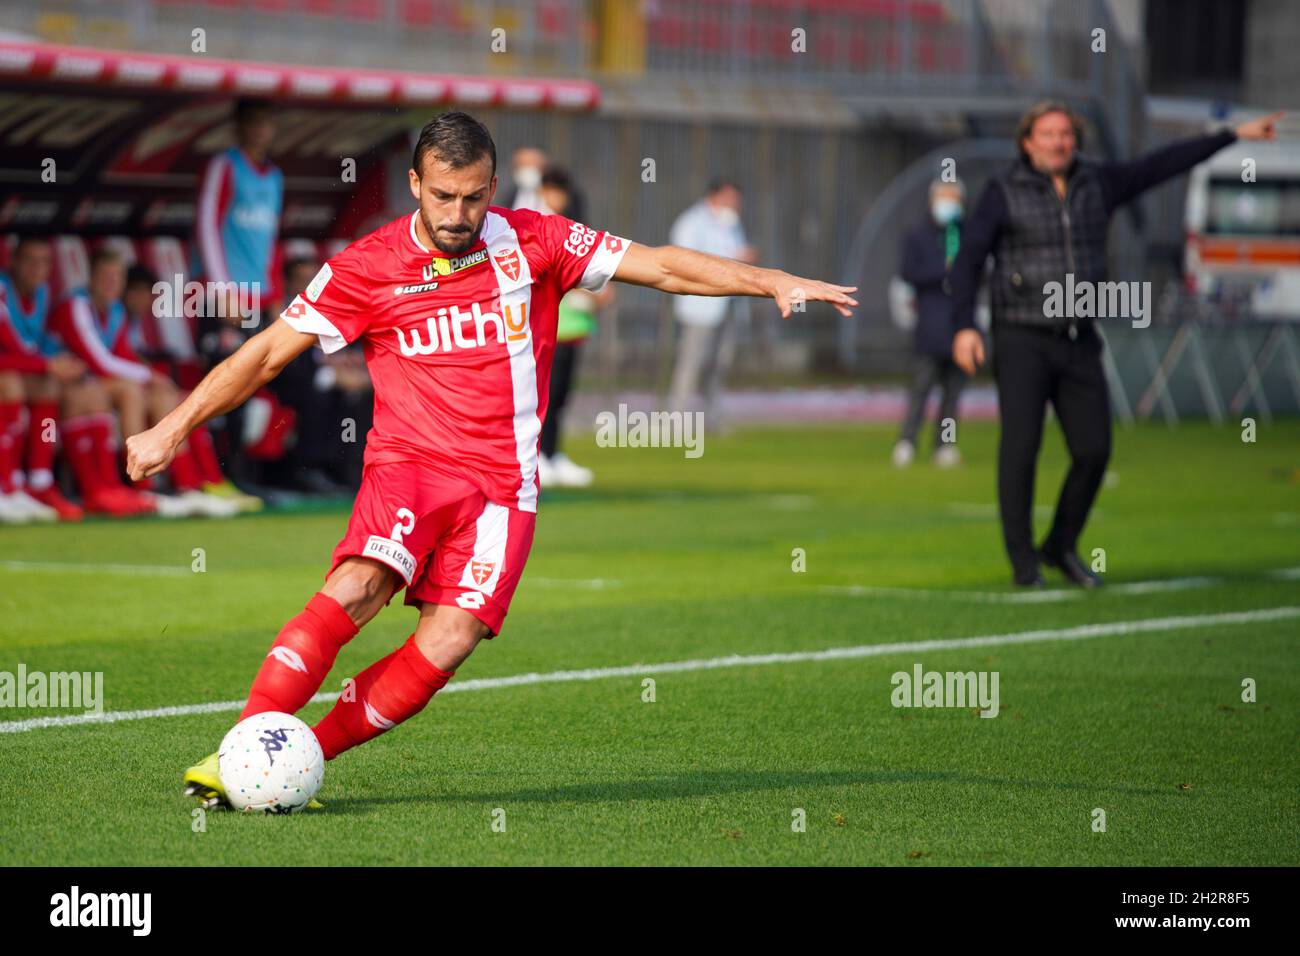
(170,570)
(1047,596)
(1081,632)
(586,584)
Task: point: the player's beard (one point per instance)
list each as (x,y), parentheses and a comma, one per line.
(450,245)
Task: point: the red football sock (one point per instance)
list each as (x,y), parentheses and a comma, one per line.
(81,445)
(185,470)
(40,453)
(205,456)
(105,434)
(301,656)
(11,415)
(385,694)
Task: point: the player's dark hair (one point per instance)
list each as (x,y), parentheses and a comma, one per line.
(456,138)
(30,241)
(719,184)
(557,177)
(1040,109)
(140,275)
(248,107)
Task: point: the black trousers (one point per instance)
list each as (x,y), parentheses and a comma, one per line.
(1033,367)
(931,371)
(562,369)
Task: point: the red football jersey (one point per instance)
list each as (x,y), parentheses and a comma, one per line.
(459,348)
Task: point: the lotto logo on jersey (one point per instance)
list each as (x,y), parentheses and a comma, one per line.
(471,600)
(446,330)
(581,238)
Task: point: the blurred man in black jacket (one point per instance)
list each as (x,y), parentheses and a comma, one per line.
(1042,220)
(929,250)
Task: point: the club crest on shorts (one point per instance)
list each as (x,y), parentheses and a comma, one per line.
(509,263)
(482,571)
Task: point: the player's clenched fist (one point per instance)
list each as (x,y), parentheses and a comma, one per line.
(147,454)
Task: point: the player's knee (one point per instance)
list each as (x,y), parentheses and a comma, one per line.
(11,387)
(361,588)
(447,638)
(84,398)
(42,388)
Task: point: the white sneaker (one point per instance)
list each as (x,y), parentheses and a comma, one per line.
(947,456)
(169,506)
(12,512)
(546,471)
(569,474)
(904,454)
(214,506)
(21,501)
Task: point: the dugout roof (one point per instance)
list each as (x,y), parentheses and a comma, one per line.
(129,134)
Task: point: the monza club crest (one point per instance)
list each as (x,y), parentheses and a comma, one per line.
(509,263)
(482,571)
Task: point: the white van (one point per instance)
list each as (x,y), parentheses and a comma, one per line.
(1243,238)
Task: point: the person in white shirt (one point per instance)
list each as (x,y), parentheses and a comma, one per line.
(526,168)
(706,327)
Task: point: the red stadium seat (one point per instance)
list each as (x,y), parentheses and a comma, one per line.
(364,9)
(418,13)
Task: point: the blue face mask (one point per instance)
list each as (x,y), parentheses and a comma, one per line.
(945,211)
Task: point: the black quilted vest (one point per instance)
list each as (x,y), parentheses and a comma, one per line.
(1044,237)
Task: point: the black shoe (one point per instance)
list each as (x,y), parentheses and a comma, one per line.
(1072,566)
(314,481)
(1030,579)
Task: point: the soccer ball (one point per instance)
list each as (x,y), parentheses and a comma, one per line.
(270,763)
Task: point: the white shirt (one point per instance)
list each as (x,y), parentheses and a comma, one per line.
(701,229)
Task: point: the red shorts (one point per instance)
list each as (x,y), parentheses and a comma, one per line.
(441,534)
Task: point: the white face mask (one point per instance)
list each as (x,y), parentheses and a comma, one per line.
(528,177)
(945,211)
(726,216)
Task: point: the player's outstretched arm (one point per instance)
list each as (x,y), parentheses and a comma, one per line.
(226,387)
(686,272)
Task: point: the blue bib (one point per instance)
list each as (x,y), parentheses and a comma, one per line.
(252,220)
(30,323)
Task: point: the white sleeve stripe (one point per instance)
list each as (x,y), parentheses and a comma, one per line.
(213,255)
(308,320)
(603,264)
(113,364)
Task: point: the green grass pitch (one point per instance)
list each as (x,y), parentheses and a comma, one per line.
(669,559)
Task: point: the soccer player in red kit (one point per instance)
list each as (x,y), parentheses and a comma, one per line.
(456,308)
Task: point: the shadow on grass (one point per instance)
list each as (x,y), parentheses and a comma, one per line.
(722,782)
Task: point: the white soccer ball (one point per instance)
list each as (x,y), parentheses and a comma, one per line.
(270,763)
